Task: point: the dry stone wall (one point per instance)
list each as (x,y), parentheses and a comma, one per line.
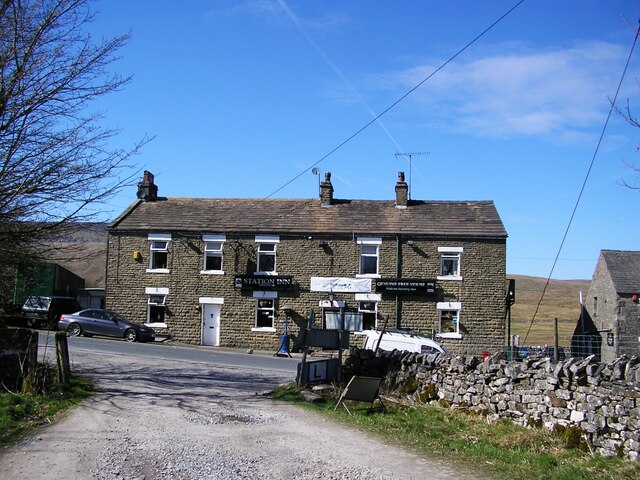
(600,401)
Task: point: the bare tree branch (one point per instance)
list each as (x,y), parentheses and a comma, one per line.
(56,163)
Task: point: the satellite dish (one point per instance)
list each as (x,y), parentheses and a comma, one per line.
(315,171)
(141,193)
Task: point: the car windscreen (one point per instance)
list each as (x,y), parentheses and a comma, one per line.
(37,303)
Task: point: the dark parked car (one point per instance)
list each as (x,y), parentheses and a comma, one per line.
(104,322)
(42,311)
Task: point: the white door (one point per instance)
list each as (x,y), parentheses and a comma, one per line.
(210,324)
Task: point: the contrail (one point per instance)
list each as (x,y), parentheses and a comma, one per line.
(337,71)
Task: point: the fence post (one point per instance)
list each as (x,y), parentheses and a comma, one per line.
(62,357)
(556,350)
(30,372)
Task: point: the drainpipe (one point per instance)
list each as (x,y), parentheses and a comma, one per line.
(398,275)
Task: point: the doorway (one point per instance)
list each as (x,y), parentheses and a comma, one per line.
(211,324)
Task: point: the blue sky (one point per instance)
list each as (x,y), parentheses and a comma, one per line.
(245,97)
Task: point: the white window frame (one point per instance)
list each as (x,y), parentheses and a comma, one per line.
(372,298)
(368,241)
(258,296)
(153,295)
(267,240)
(449,253)
(449,307)
(209,251)
(155,238)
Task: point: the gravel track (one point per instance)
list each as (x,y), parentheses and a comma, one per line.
(179,420)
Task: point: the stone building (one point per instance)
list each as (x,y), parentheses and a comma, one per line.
(611,312)
(239,272)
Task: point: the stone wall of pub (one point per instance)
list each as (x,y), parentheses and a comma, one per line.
(481,290)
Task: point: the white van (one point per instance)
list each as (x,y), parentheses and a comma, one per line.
(397,340)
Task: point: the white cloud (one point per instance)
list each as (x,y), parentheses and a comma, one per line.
(513,93)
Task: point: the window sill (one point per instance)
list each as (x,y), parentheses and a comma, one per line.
(211,272)
(367,275)
(158,270)
(455,336)
(156,325)
(266,273)
(264,329)
(456,278)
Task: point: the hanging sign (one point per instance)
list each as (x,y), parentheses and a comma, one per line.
(405,285)
(340,285)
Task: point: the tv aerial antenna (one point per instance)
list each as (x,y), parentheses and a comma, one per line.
(410,155)
(316,171)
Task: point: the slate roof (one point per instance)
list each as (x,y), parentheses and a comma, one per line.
(474,219)
(624,269)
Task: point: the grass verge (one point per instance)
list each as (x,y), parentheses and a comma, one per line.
(503,450)
(21,413)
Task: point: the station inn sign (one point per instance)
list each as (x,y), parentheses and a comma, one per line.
(263,282)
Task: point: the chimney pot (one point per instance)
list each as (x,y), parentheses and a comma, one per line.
(147,189)
(402,192)
(326,190)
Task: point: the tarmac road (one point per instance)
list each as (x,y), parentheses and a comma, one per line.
(162,418)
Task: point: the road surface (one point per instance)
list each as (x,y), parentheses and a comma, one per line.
(157,417)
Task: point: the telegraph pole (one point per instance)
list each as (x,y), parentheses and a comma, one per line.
(409,156)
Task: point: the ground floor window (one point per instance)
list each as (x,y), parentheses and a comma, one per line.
(368,311)
(265,312)
(156,314)
(449,319)
(367,304)
(156,311)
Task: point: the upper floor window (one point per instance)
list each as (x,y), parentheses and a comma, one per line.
(159,252)
(449,319)
(369,256)
(213,253)
(450,263)
(266,257)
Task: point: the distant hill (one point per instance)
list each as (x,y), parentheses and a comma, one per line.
(561,299)
(84,252)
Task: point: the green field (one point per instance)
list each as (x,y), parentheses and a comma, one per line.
(561,300)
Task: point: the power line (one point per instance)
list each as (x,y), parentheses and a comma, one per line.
(586,178)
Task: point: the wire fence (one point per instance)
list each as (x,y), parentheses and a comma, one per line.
(580,346)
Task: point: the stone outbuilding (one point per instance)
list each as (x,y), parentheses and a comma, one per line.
(611,313)
(240,272)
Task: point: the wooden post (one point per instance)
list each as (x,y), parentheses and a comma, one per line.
(62,357)
(30,371)
(556,350)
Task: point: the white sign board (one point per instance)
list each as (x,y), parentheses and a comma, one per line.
(340,285)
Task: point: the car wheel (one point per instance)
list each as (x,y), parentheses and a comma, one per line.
(130,335)
(74,330)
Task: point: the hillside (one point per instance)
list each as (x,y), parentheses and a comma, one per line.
(84,253)
(561,301)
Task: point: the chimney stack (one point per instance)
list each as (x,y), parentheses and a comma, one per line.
(402,191)
(326,191)
(147,190)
